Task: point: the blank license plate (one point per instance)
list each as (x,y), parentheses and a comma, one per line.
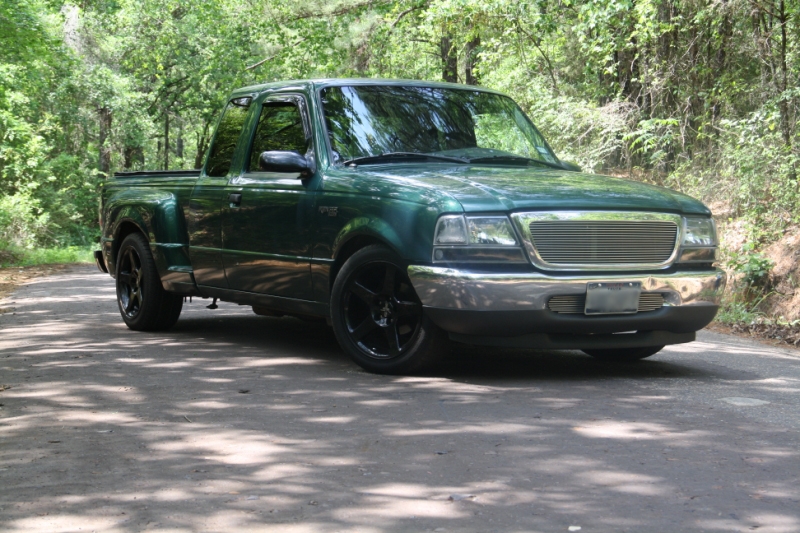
(618,298)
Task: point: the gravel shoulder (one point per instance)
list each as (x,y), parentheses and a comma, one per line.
(13,277)
(233,421)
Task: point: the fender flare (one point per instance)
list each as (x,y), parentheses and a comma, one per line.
(367,226)
(157,215)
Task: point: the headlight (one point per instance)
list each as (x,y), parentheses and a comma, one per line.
(491,230)
(481,239)
(699,241)
(451,229)
(699,232)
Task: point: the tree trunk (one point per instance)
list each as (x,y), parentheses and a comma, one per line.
(166,141)
(472,60)
(726,32)
(449,60)
(771,39)
(179,142)
(134,155)
(783,106)
(104,114)
(202,146)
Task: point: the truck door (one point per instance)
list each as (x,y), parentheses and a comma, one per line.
(204,219)
(267,217)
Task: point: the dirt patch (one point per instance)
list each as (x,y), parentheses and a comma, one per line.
(783,303)
(13,277)
(784,277)
(782,336)
(732,235)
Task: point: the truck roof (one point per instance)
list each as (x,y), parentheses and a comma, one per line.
(318,83)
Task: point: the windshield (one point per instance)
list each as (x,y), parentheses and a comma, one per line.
(369,121)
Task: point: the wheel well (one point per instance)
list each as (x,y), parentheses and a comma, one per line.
(125,229)
(349,248)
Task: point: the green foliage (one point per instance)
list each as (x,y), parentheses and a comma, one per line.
(734,310)
(578,131)
(23,222)
(698,96)
(750,286)
(11,256)
(751,267)
(654,139)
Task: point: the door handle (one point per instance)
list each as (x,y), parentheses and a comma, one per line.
(235,199)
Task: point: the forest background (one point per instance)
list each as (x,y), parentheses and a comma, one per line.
(699,96)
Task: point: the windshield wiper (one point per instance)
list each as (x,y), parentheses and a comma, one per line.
(513,159)
(402,156)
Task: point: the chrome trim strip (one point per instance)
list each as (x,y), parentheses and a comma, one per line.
(576,303)
(464,289)
(523,220)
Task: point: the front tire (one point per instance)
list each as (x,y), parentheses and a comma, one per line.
(623,355)
(143,302)
(378,318)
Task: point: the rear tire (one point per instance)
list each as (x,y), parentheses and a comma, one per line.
(143,302)
(623,355)
(378,318)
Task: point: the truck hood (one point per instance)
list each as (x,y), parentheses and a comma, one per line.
(485,189)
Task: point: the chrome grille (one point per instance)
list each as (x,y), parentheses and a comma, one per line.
(604,242)
(575,303)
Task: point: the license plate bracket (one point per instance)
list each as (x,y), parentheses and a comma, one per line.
(612,298)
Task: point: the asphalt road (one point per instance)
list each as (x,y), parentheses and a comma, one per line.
(235,422)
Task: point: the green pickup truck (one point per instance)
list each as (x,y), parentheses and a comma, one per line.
(410,214)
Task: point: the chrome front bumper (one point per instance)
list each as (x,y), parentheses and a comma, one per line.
(511,309)
(449,288)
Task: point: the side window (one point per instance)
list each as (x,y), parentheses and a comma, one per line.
(280,127)
(228,133)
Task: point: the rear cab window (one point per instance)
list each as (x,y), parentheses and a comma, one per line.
(227,137)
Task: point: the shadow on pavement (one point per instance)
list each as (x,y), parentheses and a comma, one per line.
(234,422)
(463,361)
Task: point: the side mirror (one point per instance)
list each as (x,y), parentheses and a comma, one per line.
(285,161)
(569,165)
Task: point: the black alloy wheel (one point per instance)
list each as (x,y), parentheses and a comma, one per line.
(382,313)
(129,283)
(142,300)
(378,318)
